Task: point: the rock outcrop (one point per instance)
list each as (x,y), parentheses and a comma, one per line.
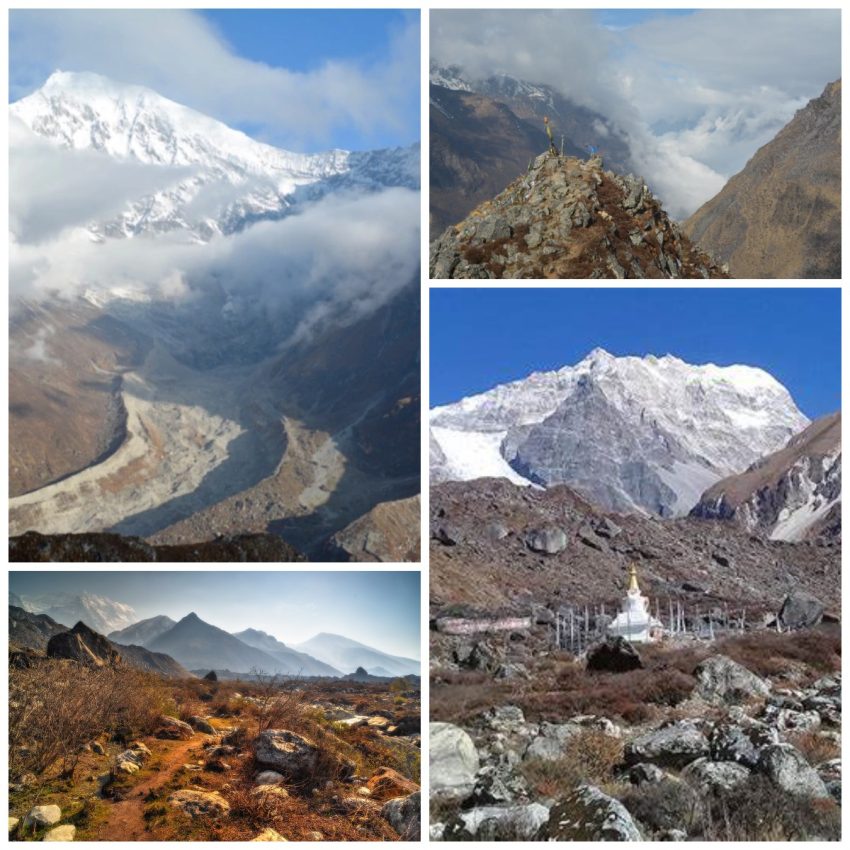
(569,218)
(85,646)
(781,216)
(791,494)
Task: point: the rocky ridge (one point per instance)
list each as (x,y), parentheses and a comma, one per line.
(569,218)
(531,548)
(792,494)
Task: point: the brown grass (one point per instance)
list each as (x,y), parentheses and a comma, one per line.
(590,756)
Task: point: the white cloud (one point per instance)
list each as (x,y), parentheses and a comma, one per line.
(52,189)
(696,94)
(182,56)
(336,260)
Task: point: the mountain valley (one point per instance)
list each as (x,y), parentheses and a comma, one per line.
(202,405)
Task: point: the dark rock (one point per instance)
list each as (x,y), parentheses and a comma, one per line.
(614,655)
(586,814)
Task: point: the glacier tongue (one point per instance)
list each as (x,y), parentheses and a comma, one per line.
(647,434)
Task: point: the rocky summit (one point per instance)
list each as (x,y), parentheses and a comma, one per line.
(570,218)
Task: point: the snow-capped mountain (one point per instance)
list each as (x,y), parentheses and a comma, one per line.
(792,494)
(100,613)
(448,77)
(644,434)
(214,179)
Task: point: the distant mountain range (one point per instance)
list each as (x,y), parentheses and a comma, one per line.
(198,645)
(347,655)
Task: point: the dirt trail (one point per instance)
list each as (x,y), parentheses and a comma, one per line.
(126,820)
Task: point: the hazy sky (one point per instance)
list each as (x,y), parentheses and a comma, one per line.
(301,79)
(696,92)
(480,338)
(377,608)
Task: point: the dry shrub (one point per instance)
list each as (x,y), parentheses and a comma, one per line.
(666,805)
(56,707)
(278,702)
(757,810)
(816,748)
(768,653)
(590,756)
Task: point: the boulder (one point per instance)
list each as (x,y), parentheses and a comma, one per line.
(547,541)
(645,774)
(128,767)
(43,816)
(800,610)
(173,729)
(715,775)
(497,823)
(269,834)
(550,743)
(201,724)
(404,815)
(787,768)
(83,645)
(788,720)
(453,761)
(722,681)
(285,752)
(268,777)
(733,743)
(613,655)
(66,832)
(270,791)
(13,824)
(586,814)
(211,676)
(198,804)
(505,718)
(672,745)
(386,783)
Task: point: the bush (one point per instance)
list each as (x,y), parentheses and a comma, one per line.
(57,707)
(759,811)
(590,756)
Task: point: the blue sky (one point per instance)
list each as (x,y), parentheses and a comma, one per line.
(483,337)
(377,608)
(301,79)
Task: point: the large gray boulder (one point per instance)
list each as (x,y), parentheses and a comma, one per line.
(787,768)
(586,814)
(722,681)
(453,760)
(66,832)
(547,541)
(404,815)
(742,745)
(497,823)
(671,745)
(285,752)
(715,775)
(800,610)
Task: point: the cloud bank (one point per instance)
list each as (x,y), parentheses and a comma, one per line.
(695,95)
(181,55)
(333,261)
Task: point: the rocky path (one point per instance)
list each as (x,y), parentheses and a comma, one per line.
(126,820)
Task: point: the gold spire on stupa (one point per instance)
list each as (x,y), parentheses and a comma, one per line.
(633,582)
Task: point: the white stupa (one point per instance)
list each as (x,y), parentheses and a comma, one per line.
(634,622)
